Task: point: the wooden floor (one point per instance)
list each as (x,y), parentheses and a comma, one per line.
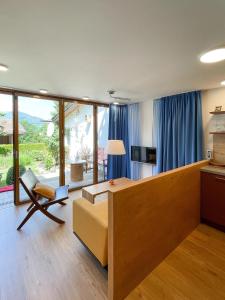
(194,271)
(45,261)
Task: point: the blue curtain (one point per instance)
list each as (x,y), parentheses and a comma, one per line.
(178,129)
(119,166)
(134,137)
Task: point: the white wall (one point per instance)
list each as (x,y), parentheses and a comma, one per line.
(146,111)
(210,99)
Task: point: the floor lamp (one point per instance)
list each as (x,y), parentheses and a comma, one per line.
(115,147)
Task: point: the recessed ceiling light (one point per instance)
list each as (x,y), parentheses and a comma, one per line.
(116,103)
(43,91)
(85,98)
(3,68)
(222,82)
(213,56)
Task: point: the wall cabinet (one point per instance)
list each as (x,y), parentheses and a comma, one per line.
(213,199)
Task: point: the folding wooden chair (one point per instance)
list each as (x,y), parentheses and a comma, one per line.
(28,181)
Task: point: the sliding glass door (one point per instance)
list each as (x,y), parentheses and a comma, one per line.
(38,139)
(78,144)
(63,142)
(6,151)
(103,127)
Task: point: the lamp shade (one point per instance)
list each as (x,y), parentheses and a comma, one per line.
(115,147)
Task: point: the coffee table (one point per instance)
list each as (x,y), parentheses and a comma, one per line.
(90,192)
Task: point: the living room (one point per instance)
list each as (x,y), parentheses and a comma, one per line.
(112,160)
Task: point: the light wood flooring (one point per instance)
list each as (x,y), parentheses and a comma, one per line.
(45,261)
(195,270)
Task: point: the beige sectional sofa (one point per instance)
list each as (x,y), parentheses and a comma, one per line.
(90,225)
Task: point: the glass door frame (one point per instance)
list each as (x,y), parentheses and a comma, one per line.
(95,146)
(61,143)
(95,141)
(16,153)
(61,100)
(8,92)
(16,150)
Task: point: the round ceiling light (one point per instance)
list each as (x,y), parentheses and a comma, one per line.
(43,91)
(222,82)
(85,98)
(213,56)
(3,68)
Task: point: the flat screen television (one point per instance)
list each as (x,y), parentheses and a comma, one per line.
(143,154)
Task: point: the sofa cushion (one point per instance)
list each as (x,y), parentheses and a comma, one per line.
(90,224)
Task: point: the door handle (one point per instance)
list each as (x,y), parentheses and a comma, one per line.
(15,154)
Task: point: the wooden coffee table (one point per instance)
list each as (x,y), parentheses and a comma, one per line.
(90,192)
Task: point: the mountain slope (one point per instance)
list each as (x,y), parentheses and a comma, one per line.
(25,117)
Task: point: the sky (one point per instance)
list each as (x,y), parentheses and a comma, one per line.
(34,107)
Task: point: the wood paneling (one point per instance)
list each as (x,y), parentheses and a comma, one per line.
(193,271)
(147,221)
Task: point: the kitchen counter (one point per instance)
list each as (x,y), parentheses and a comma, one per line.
(214,170)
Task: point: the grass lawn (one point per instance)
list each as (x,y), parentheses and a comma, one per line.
(39,160)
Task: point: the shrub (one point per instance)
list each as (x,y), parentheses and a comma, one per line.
(4,151)
(26,159)
(49,162)
(6,162)
(26,147)
(10,174)
(38,155)
(32,147)
(53,147)
(7,147)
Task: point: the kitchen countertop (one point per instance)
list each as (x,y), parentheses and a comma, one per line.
(214,170)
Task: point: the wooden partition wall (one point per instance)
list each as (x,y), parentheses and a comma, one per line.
(147,221)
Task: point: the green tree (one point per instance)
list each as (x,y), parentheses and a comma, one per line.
(52,142)
(53,145)
(1,129)
(34,133)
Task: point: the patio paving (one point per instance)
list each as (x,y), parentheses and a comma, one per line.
(6,198)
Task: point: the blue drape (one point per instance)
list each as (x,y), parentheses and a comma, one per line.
(119,166)
(178,129)
(134,137)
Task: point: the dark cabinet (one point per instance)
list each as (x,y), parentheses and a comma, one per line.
(213,200)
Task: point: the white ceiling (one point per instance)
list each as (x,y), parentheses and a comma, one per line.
(141,48)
